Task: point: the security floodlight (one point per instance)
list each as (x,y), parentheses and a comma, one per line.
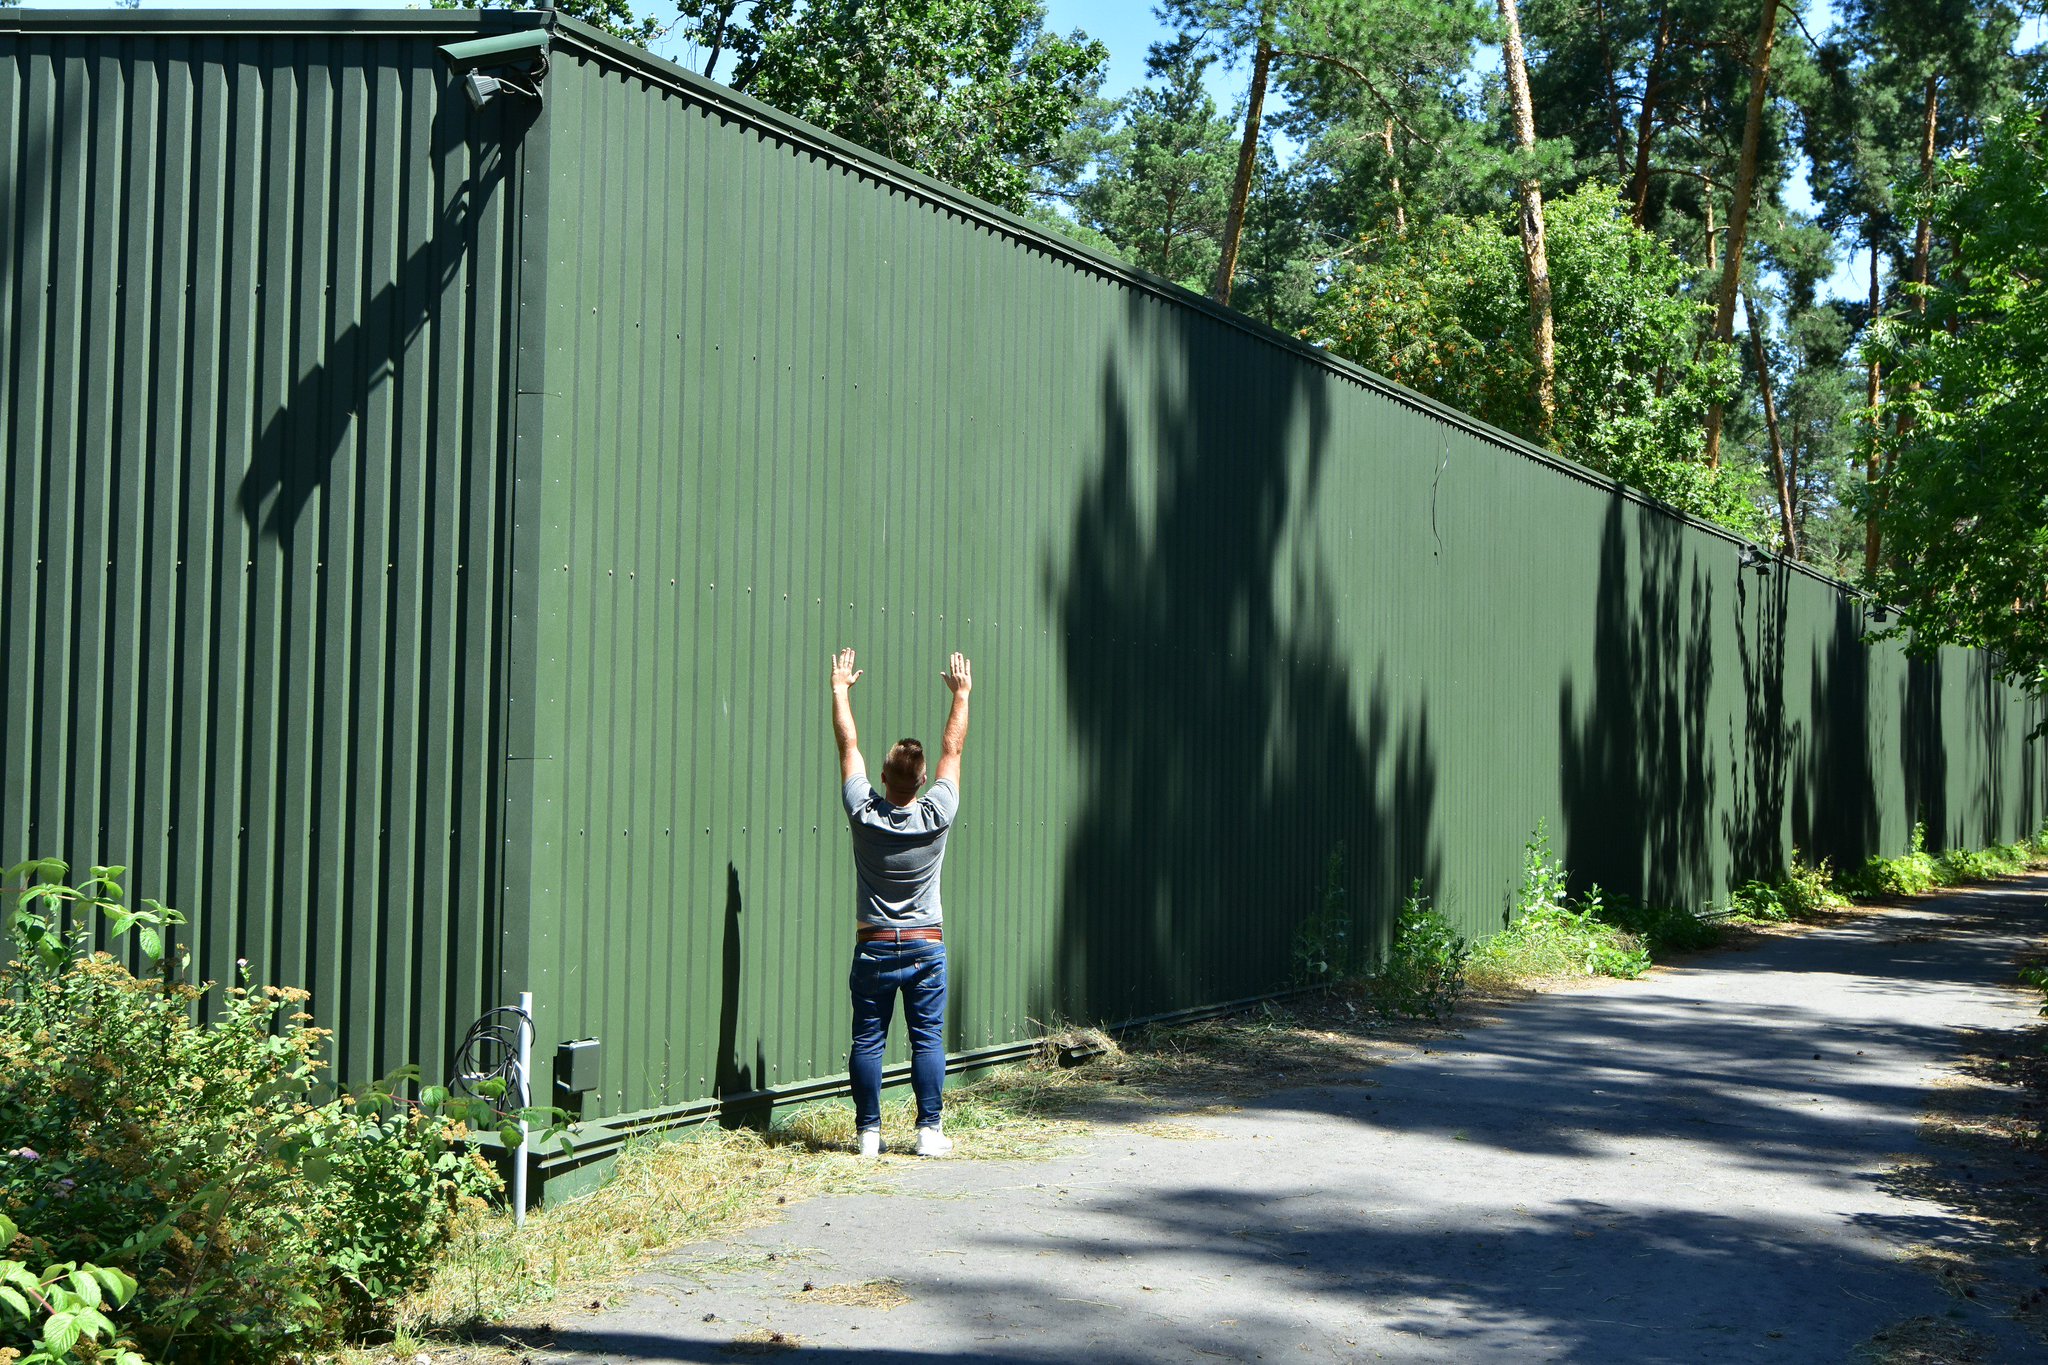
(480,88)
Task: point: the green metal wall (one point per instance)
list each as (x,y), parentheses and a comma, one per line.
(1231,606)
(254,344)
(425,531)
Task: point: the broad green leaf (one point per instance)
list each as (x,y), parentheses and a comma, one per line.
(86,1287)
(119,1284)
(60,1333)
(13,1299)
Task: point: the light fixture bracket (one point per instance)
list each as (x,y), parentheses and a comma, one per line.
(502,63)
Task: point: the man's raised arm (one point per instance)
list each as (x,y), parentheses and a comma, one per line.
(844,676)
(959,678)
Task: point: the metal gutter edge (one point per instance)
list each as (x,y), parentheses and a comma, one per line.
(575,33)
(152,23)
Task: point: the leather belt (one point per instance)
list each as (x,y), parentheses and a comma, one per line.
(870,933)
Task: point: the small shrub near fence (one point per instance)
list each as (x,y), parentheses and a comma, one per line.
(1550,935)
(194,1190)
(1423,973)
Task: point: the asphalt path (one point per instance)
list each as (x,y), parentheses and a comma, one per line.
(1690,1167)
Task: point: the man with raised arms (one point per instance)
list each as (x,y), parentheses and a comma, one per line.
(899,843)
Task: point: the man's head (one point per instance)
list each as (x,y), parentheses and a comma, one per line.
(903,770)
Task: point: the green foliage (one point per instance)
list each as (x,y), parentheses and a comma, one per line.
(972,92)
(1909,874)
(1159,172)
(1964,504)
(64,1307)
(1445,310)
(2037,977)
(258,1216)
(1659,929)
(1961,865)
(1803,892)
(1325,946)
(1549,936)
(1423,973)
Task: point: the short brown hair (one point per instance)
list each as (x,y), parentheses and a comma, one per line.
(904,767)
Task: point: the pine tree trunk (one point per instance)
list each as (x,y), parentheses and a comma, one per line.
(1646,123)
(1247,158)
(1871,539)
(1763,381)
(1923,233)
(1738,212)
(1535,250)
(1924,230)
(1400,208)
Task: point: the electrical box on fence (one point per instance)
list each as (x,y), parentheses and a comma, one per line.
(577,1068)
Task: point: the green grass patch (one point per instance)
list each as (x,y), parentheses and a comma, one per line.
(1549,936)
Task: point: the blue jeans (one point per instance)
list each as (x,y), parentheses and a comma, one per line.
(880,970)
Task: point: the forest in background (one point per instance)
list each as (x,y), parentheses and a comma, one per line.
(1608,226)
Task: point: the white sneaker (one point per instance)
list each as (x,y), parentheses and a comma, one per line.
(932,1142)
(870,1142)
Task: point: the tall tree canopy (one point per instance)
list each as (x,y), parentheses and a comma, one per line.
(1966,497)
(973,92)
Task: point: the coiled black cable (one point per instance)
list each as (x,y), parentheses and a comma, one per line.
(490,1052)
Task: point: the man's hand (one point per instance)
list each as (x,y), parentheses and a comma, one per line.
(844,674)
(958,677)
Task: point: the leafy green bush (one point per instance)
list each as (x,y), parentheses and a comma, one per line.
(260,1217)
(1548,936)
(1803,892)
(1423,973)
(1909,874)
(1960,865)
(1660,928)
(63,1308)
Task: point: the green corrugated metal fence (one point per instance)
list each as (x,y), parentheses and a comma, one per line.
(580,435)
(255,320)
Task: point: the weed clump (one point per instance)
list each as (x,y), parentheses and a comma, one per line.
(1909,874)
(1548,936)
(1804,892)
(1423,973)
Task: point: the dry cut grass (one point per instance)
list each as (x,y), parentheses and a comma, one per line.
(706,1183)
(710,1182)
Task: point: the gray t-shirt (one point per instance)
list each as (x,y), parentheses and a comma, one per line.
(897,851)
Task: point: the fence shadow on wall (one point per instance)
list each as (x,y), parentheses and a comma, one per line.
(1227,749)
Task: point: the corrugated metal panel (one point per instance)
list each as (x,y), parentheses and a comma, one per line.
(268,341)
(254,320)
(1231,607)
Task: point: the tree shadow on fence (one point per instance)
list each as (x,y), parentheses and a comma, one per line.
(1921,751)
(1227,751)
(1835,815)
(1637,787)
